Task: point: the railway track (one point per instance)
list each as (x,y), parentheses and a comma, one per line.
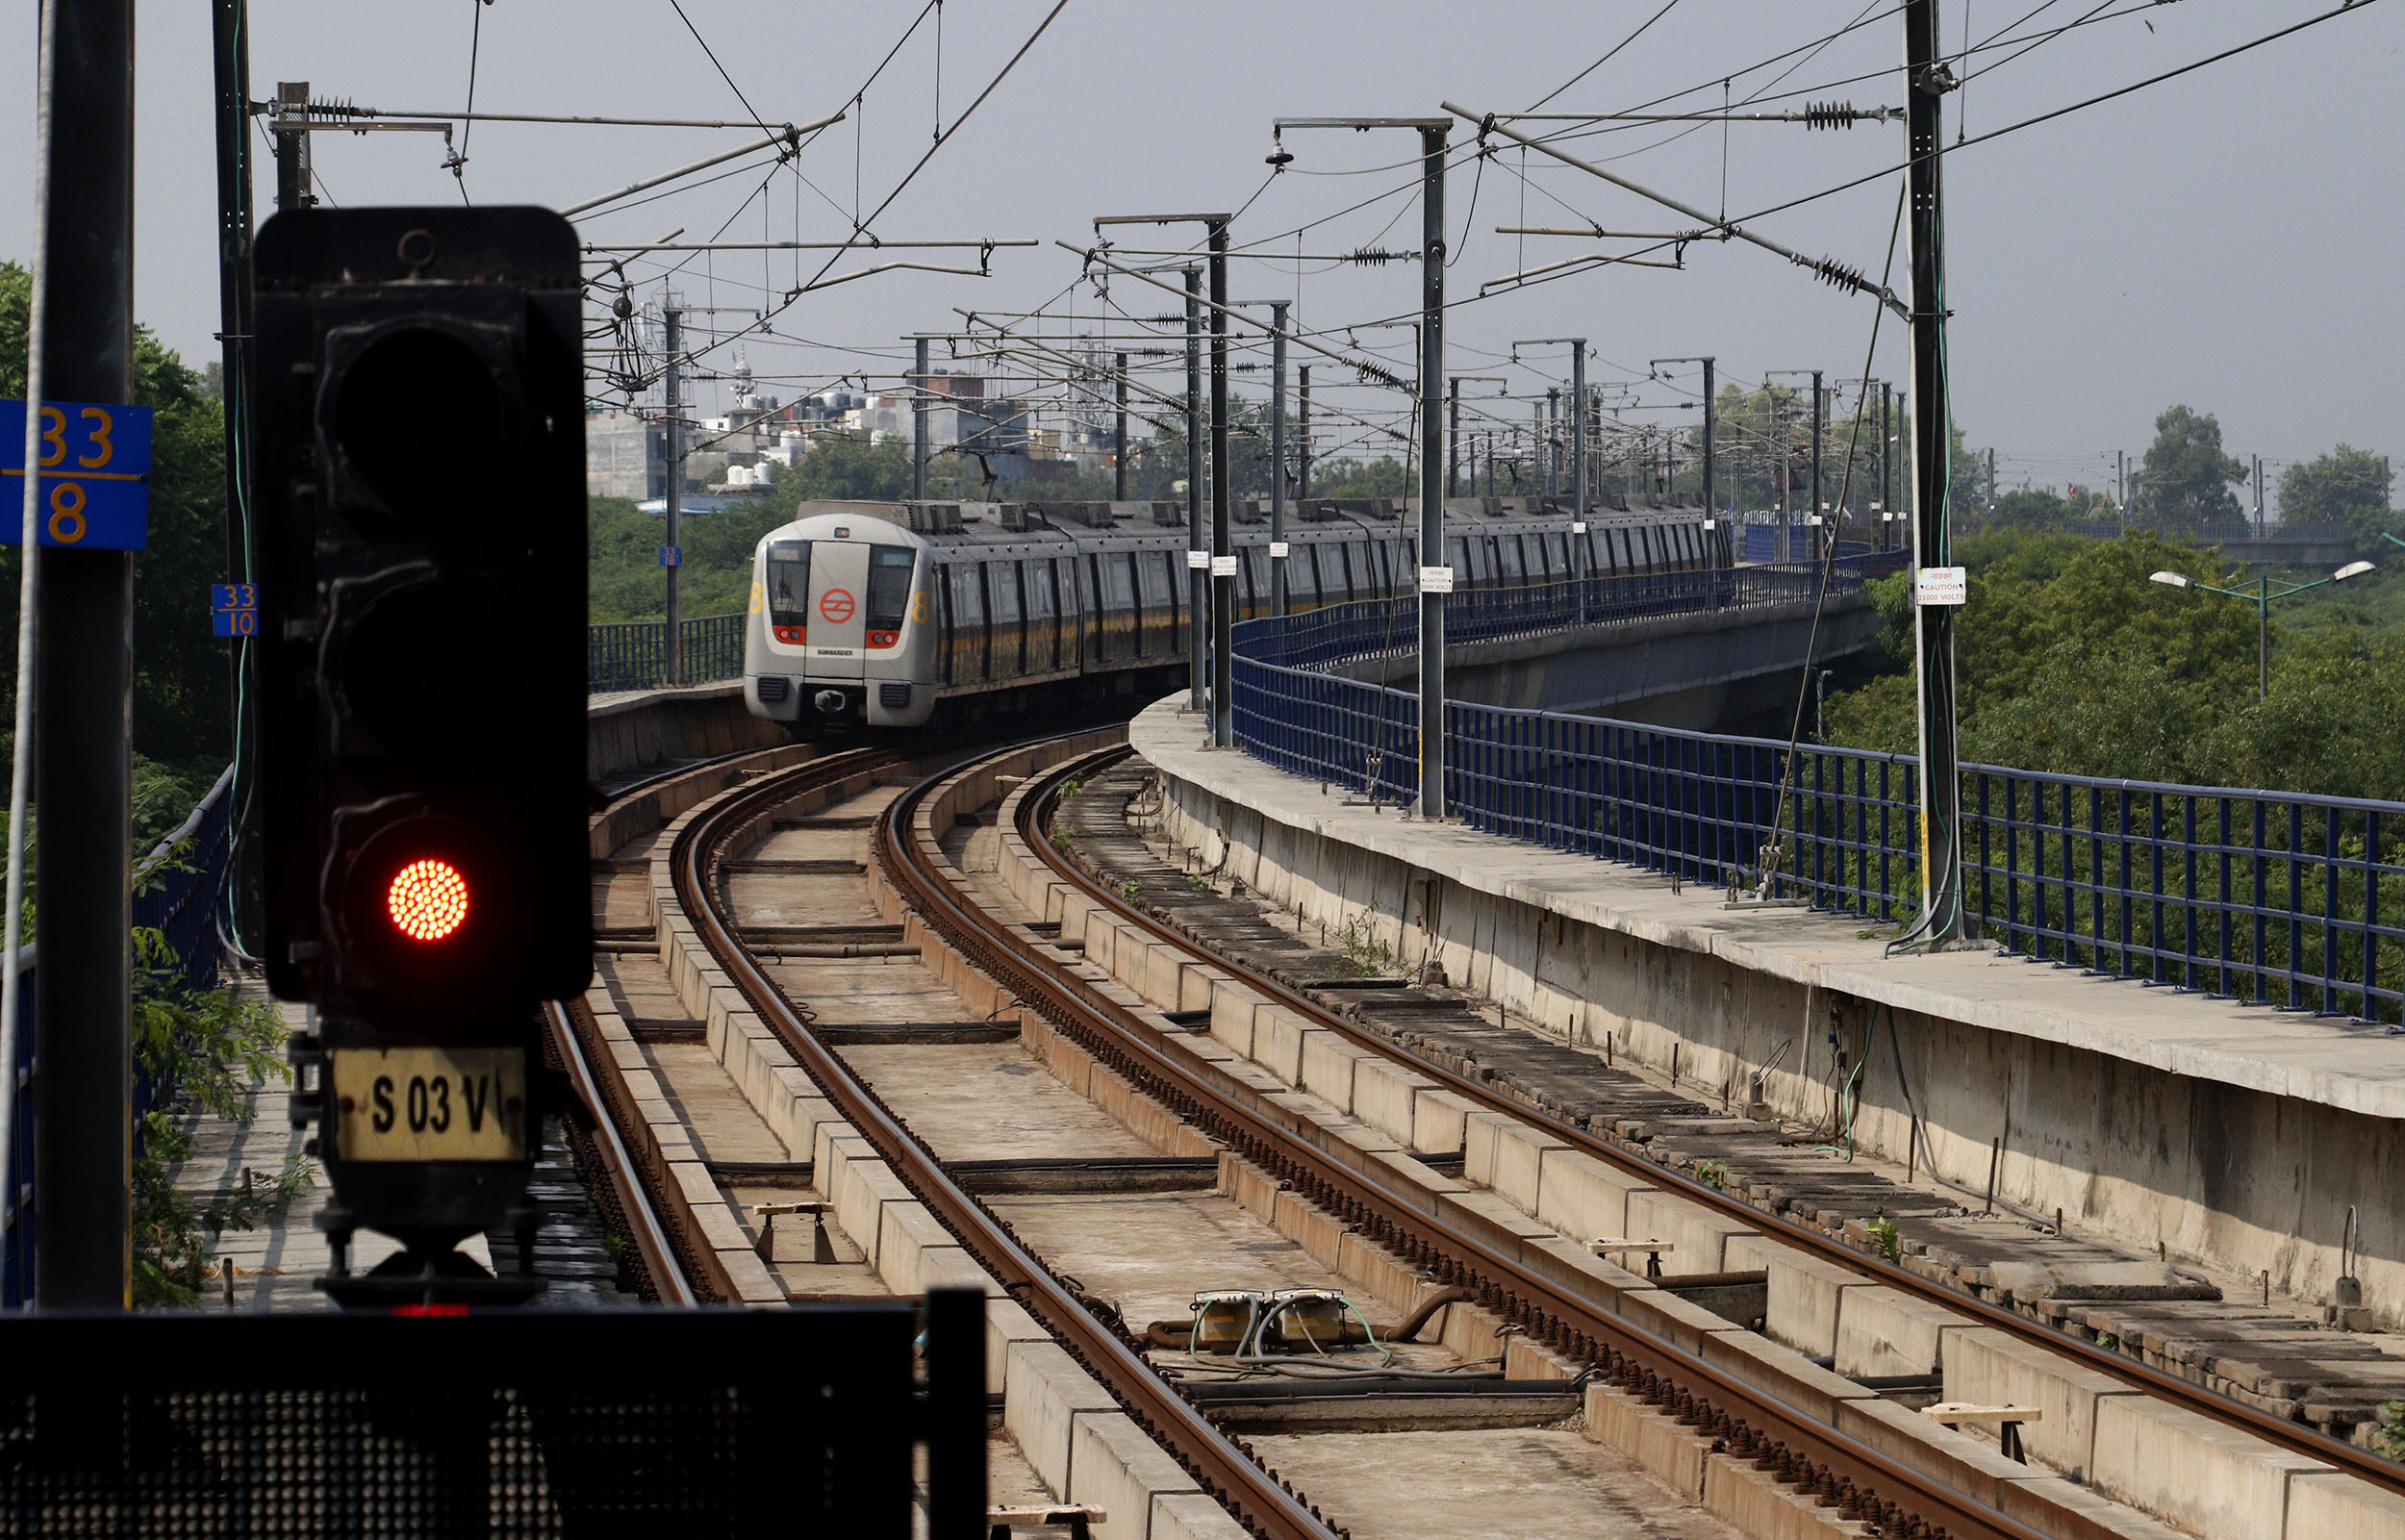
(1110,886)
(1768,1431)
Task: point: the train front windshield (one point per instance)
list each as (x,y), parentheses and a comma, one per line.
(788,588)
(888,592)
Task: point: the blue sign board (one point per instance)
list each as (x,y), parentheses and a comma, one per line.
(94,475)
(671,555)
(233,609)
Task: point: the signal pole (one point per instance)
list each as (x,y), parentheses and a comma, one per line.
(672,641)
(288,123)
(1820,424)
(84,673)
(1432,799)
(919,424)
(1277,459)
(1925,83)
(1119,434)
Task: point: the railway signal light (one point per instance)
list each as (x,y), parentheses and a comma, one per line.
(419,489)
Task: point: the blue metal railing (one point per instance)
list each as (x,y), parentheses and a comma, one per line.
(631,654)
(178,890)
(2270,897)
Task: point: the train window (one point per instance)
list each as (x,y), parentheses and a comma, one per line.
(1303,578)
(1341,576)
(1457,557)
(1043,631)
(1554,546)
(1511,569)
(789,587)
(889,569)
(1002,597)
(1257,577)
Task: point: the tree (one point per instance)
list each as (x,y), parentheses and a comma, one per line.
(2347,486)
(180,670)
(2186,482)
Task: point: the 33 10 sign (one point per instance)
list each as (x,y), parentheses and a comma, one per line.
(94,468)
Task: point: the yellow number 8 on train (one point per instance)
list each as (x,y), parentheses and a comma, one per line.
(92,469)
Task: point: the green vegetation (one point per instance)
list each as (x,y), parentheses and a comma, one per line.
(2070,660)
(1885,1238)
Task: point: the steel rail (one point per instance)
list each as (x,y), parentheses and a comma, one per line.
(1226,1470)
(669,1254)
(619,1167)
(1743,1420)
(1036,807)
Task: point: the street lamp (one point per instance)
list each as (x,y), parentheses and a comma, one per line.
(2261,596)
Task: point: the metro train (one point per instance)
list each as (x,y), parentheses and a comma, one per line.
(871,615)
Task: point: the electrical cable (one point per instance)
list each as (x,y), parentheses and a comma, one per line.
(1608,56)
(475,51)
(29,554)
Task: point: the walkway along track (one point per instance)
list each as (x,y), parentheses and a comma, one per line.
(1034,817)
(1744,1420)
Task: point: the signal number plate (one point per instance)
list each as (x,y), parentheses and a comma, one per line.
(431,1103)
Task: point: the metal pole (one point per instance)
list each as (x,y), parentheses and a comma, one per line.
(1551,447)
(82,1046)
(919,425)
(1302,434)
(2262,637)
(1223,542)
(1433,798)
(1119,435)
(1197,558)
(1578,455)
(1820,508)
(230,38)
(1278,460)
(1709,424)
(1886,464)
(1933,624)
(1452,436)
(289,125)
(673,640)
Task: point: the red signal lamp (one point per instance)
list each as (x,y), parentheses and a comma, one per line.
(792,635)
(885,638)
(428,900)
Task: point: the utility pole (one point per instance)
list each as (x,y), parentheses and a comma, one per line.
(1711,440)
(1436,578)
(1223,539)
(1119,435)
(1820,505)
(1302,434)
(1578,453)
(1197,559)
(231,40)
(2259,520)
(673,638)
(1452,436)
(1553,440)
(2122,486)
(288,123)
(1991,480)
(1925,84)
(83,1030)
(919,387)
(1433,798)
(1887,462)
(1277,458)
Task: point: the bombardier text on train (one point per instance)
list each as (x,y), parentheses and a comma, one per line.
(893,615)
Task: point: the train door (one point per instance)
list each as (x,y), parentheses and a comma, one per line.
(839,622)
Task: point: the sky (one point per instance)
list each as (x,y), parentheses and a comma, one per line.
(2226,240)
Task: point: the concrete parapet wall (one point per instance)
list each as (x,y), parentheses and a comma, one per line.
(639,728)
(2232,1137)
